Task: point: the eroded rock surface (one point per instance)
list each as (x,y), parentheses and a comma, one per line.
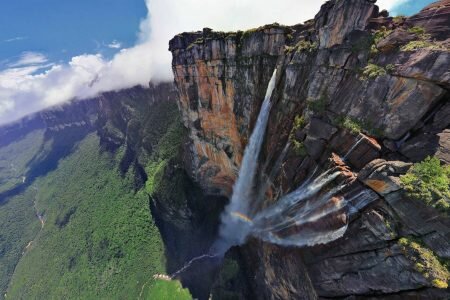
(349,82)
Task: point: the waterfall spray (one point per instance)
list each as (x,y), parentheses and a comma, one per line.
(235,228)
(288,221)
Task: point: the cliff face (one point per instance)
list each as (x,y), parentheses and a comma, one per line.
(221,82)
(359,80)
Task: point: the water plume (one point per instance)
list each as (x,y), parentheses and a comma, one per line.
(297,218)
(234,230)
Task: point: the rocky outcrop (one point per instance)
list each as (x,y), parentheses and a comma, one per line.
(434,18)
(336,20)
(370,88)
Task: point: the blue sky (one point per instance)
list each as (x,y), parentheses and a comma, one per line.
(61,29)
(53,51)
(410,7)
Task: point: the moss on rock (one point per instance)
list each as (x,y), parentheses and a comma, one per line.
(425,262)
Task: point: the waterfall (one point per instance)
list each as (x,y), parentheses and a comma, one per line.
(189,264)
(353,148)
(234,228)
(301,193)
(314,213)
(288,221)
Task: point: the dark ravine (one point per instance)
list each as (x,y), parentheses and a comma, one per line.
(351,75)
(188,222)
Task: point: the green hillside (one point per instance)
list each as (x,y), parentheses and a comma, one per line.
(98,240)
(79,229)
(18,222)
(15,157)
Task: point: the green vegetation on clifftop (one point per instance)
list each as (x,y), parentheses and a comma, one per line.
(426,262)
(429,182)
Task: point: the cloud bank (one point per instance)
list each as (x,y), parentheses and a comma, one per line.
(32,83)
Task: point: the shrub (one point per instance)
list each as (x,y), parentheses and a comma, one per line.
(417,30)
(356,126)
(422,44)
(302,45)
(399,19)
(306,46)
(377,36)
(299,148)
(426,262)
(249,32)
(318,105)
(429,182)
(423,41)
(352,125)
(390,68)
(299,122)
(289,37)
(442,205)
(289,49)
(439,284)
(415,45)
(373,71)
(198,41)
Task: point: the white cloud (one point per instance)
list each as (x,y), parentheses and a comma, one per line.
(26,87)
(15,39)
(115,45)
(29,58)
(167,18)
